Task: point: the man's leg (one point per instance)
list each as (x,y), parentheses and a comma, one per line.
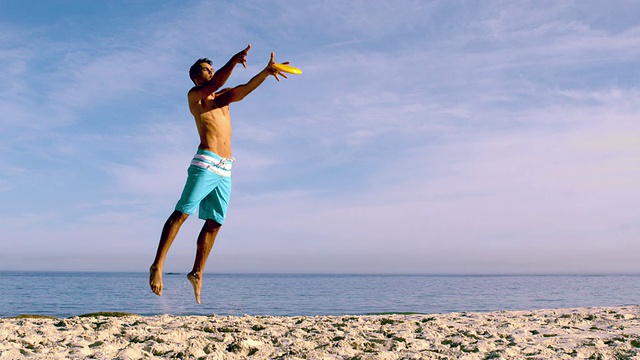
(205,242)
(169,232)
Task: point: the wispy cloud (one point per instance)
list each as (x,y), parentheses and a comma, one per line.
(418,136)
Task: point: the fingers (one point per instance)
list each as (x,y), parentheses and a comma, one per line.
(241,56)
(243,60)
(277,73)
(273,70)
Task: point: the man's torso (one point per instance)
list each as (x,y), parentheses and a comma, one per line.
(214,126)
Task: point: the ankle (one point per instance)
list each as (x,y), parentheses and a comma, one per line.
(155,267)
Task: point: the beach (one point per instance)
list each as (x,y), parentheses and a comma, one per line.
(589,333)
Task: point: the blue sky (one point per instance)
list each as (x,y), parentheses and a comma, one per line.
(423,136)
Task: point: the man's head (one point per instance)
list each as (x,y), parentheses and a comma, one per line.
(201,71)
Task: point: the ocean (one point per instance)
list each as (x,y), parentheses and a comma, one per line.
(65,294)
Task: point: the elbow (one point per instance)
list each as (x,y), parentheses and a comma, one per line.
(236,97)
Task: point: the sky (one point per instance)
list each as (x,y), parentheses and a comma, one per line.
(423,137)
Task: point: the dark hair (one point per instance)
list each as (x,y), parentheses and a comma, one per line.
(195,67)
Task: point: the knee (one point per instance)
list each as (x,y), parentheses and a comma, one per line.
(211,225)
(178,217)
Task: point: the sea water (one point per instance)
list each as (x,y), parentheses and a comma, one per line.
(65,294)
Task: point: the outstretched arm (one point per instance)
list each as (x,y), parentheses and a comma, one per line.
(220,77)
(239,92)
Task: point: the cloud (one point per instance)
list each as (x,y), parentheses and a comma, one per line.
(423,137)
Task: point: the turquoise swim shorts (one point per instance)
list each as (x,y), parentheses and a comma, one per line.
(208,185)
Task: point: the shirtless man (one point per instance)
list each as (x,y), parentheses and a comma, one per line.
(209,176)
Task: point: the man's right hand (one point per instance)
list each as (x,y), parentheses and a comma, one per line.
(241,57)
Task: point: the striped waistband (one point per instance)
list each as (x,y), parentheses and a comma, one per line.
(211,161)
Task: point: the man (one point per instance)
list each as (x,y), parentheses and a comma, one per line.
(209,176)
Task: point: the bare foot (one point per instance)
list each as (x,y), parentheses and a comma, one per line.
(196,281)
(155,280)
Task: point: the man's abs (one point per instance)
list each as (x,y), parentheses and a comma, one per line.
(215,134)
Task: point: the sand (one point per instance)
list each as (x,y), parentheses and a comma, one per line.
(587,333)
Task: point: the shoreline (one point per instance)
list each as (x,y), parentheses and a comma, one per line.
(294,295)
(588,332)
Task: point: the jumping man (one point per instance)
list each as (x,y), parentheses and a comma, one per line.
(208,184)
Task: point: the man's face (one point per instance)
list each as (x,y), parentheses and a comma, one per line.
(205,74)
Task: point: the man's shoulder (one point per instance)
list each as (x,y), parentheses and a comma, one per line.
(194,94)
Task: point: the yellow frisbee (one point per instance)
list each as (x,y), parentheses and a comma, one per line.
(288,69)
